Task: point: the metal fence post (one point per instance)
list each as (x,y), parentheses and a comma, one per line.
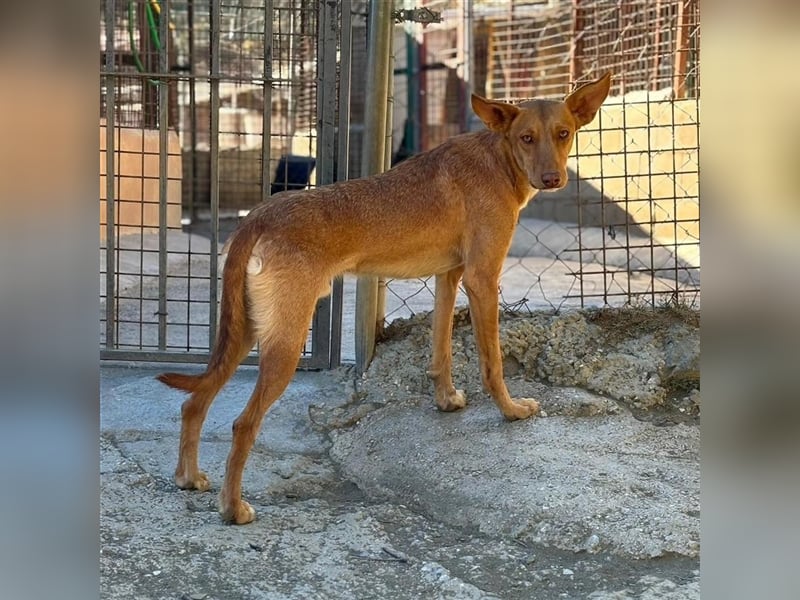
(380,305)
(374,148)
(163,169)
(111,178)
(214,104)
(327,27)
(466,68)
(342,165)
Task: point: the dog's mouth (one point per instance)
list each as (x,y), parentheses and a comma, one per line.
(548,188)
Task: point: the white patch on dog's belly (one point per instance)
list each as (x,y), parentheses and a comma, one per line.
(407,268)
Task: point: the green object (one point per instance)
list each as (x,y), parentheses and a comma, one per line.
(153,31)
(151,21)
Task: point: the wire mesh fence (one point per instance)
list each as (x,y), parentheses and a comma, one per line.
(626,229)
(206,107)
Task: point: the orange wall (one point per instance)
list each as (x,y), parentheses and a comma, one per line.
(136,170)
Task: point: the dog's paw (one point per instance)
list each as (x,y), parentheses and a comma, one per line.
(198,481)
(455,400)
(238,513)
(522,408)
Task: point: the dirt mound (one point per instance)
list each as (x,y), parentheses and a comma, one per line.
(645,359)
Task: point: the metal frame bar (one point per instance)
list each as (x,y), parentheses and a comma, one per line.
(192,194)
(159,356)
(163,147)
(343,164)
(682,48)
(326,146)
(110,176)
(214,171)
(378,50)
(266,121)
(413,75)
(380,304)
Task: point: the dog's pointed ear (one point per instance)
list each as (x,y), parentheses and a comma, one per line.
(497,116)
(586,100)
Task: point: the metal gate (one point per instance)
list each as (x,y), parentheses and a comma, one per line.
(206,107)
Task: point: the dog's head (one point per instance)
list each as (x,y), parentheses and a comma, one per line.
(540,132)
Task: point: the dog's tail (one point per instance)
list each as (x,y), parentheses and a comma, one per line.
(233,322)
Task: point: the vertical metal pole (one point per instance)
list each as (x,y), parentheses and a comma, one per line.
(576,49)
(468,65)
(326,93)
(326,145)
(214,171)
(146,50)
(292,64)
(377,86)
(681,50)
(575,68)
(345,78)
(374,147)
(389,127)
(110,178)
(192,179)
(657,35)
(412,83)
(266,121)
(380,305)
(342,166)
(422,88)
(163,145)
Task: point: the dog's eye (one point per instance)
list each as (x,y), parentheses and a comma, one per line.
(527,138)
(563,134)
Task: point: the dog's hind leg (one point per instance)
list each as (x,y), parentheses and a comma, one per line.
(276,368)
(282,312)
(193,413)
(448,398)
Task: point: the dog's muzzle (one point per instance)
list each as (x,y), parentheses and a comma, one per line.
(551,180)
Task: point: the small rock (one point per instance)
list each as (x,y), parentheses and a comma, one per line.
(592,543)
(569,572)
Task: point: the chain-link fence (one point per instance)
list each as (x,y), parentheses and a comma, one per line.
(626,229)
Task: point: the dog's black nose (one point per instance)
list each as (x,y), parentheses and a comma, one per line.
(551,179)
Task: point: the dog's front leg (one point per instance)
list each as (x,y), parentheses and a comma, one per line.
(448,398)
(481,287)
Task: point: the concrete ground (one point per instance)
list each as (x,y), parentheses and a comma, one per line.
(399,501)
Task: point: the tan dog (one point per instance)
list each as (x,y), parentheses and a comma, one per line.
(449,212)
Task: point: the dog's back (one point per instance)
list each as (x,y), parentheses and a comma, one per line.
(407,222)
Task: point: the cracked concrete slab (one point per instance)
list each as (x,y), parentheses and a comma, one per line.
(582,484)
(364,490)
